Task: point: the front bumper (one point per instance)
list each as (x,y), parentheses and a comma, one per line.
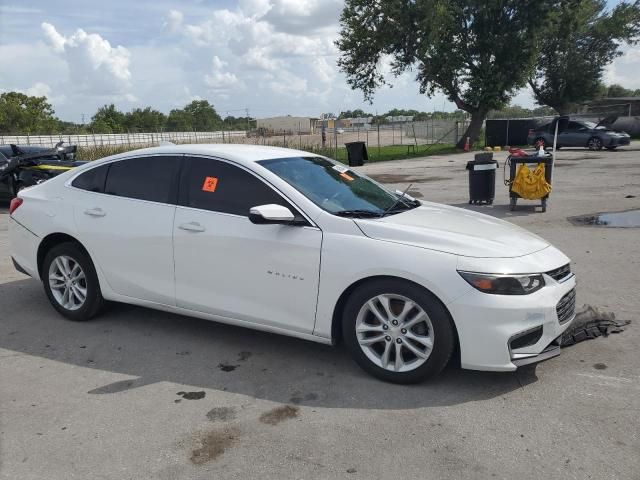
(488,325)
(618,141)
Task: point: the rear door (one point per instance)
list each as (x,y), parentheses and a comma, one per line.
(124,216)
(226,265)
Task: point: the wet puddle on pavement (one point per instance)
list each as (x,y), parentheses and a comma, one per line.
(628,219)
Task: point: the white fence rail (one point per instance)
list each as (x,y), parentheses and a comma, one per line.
(97,139)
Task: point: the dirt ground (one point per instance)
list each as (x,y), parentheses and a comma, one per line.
(141,394)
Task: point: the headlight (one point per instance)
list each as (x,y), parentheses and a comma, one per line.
(504,284)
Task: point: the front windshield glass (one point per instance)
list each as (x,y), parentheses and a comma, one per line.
(335,188)
(590,125)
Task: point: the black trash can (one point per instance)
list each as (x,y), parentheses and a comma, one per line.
(482,178)
(357,153)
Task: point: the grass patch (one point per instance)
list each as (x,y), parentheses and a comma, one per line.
(390,152)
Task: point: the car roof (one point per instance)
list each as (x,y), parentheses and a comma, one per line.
(235,152)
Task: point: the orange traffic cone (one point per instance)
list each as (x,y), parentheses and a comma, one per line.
(467,146)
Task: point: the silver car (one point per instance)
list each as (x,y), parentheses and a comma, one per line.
(580,134)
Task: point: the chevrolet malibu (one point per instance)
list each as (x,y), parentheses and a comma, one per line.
(294,243)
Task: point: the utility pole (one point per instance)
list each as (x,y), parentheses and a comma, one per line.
(247,112)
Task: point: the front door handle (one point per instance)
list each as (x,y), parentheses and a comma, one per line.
(95,212)
(192,227)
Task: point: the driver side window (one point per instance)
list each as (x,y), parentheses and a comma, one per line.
(218,186)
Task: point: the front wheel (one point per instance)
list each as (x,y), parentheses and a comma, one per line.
(594,143)
(71,282)
(397,331)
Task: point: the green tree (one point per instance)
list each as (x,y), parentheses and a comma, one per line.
(580,40)
(147,120)
(203,116)
(357,113)
(616,90)
(179,121)
(478,52)
(20,113)
(108,119)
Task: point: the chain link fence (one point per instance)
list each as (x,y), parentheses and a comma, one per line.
(124,139)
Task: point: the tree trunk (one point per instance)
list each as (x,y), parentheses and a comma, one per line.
(473,130)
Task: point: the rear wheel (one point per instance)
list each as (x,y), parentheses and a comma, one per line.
(71,282)
(397,331)
(594,143)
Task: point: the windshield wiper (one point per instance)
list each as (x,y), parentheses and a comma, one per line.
(400,199)
(358,213)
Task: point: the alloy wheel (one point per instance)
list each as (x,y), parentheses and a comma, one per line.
(595,144)
(394,332)
(67,282)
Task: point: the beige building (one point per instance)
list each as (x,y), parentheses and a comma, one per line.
(287,124)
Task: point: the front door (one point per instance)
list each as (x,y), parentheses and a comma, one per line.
(225,265)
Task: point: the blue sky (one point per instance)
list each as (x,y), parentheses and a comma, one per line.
(273,57)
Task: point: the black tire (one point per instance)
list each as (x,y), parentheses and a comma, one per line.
(594,144)
(540,141)
(443,330)
(93,302)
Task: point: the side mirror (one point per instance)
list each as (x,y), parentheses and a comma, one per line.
(271,214)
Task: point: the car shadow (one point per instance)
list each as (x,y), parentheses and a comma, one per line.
(148,346)
(503,210)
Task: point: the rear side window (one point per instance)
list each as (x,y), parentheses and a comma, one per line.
(143,178)
(222,187)
(92,180)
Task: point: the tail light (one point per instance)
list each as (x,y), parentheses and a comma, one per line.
(15,203)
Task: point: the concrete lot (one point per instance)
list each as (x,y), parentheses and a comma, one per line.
(139,394)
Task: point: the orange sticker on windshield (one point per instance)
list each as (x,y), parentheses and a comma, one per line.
(347,177)
(210,184)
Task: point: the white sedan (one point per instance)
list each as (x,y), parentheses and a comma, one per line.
(294,243)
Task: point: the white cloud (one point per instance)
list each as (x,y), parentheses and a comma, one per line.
(174,20)
(323,71)
(39,89)
(56,40)
(94,65)
(624,70)
(219,79)
(255,8)
(258,57)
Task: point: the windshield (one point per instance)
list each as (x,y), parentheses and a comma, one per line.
(335,188)
(590,125)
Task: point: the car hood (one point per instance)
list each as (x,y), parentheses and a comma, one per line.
(454,230)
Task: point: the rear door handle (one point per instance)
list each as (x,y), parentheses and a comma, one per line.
(95,212)
(192,227)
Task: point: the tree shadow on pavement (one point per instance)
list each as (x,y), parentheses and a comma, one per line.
(149,346)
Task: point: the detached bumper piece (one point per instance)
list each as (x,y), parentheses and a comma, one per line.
(553,350)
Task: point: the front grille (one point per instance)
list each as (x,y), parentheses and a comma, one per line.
(560,273)
(566,306)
